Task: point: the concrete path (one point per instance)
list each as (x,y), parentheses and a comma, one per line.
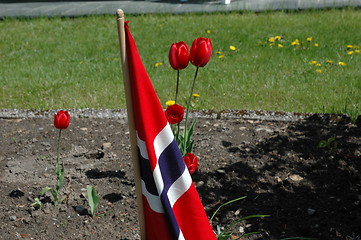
(81,8)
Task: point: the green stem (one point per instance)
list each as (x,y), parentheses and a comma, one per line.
(58,150)
(175,101)
(188,105)
(59,172)
(177,133)
(177,86)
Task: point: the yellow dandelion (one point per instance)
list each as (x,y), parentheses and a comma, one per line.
(349,46)
(318,65)
(296,42)
(316,45)
(313,62)
(357,51)
(278,38)
(280,45)
(170,102)
(233,48)
(271,39)
(318,70)
(196,95)
(219,52)
(158,64)
(342,64)
(309,39)
(221,56)
(350,53)
(271,44)
(329,61)
(209,31)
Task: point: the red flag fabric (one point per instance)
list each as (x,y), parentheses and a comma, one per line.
(172,207)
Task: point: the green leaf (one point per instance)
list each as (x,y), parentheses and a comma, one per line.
(37,203)
(245,218)
(93,199)
(224,204)
(331,139)
(187,143)
(55,194)
(52,191)
(322,144)
(226,233)
(59,175)
(45,190)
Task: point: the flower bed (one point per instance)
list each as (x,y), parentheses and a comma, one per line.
(309,191)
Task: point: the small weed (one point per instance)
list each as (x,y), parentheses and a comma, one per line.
(37,203)
(226,233)
(330,143)
(353,237)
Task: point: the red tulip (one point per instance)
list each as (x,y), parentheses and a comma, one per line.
(178,55)
(191,162)
(174,113)
(62,119)
(201,52)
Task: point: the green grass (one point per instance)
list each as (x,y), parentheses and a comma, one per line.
(74,63)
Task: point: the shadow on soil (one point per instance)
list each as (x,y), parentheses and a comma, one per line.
(316,195)
(96,174)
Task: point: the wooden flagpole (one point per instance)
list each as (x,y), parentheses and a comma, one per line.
(132,133)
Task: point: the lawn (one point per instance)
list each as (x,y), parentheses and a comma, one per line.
(282,61)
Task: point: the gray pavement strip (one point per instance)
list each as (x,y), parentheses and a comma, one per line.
(48,9)
(122,113)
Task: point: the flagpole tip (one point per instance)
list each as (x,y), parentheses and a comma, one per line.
(120,13)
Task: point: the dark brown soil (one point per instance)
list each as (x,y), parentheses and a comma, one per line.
(308,191)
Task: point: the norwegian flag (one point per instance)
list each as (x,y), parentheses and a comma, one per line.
(172,207)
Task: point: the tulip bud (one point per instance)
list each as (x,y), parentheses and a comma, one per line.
(62,119)
(191,162)
(174,113)
(201,52)
(178,55)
